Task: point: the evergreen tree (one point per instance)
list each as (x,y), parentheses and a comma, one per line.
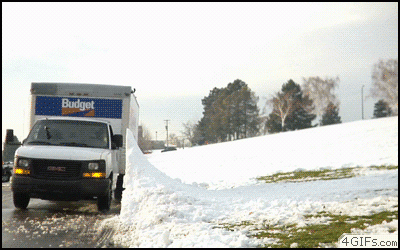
(229,113)
(201,132)
(382,109)
(330,115)
(302,115)
(206,127)
(274,124)
(242,113)
(297,109)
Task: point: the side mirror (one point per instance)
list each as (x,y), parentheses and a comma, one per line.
(117,141)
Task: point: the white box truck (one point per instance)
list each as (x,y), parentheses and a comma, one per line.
(75,148)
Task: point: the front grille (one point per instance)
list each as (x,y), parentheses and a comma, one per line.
(56,169)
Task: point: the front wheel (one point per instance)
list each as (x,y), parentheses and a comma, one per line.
(6,177)
(104,201)
(21,200)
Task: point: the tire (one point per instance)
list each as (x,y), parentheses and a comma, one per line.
(21,200)
(104,201)
(118,190)
(5,178)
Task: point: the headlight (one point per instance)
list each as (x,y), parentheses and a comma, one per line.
(23,163)
(95,170)
(22,167)
(93,166)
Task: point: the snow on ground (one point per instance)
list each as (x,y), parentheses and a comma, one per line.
(177,198)
(361,143)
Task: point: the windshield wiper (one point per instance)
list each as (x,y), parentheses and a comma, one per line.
(74,144)
(47,132)
(39,142)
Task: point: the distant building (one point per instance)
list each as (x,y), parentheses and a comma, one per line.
(10,146)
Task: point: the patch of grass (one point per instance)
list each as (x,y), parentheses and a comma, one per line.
(232,227)
(313,175)
(316,235)
(384,167)
(312,236)
(309,175)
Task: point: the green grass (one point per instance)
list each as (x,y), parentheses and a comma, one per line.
(319,235)
(313,175)
(312,236)
(385,167)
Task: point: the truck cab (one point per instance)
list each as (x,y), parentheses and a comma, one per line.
(67,159)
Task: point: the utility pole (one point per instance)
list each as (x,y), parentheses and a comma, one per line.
(166,127)
(362,102)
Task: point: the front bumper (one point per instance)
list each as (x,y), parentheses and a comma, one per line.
(74,190)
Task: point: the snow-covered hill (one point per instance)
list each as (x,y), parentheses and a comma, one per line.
(361,143)
(175,199)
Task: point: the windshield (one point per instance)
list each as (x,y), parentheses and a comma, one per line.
(69,133)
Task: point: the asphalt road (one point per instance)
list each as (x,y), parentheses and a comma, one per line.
(49,224)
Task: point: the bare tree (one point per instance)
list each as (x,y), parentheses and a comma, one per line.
(173,139)
(321,92)
(283,105)
(292,109)
(385,82)
(189,131)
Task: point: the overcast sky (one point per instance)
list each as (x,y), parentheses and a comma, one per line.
(173,54)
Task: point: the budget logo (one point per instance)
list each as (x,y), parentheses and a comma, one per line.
(77,108)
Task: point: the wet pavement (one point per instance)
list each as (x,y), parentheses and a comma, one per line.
(48,224)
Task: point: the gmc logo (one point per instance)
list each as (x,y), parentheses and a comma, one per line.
(58,169)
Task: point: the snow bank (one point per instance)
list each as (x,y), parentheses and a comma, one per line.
(156,209)
(162,211)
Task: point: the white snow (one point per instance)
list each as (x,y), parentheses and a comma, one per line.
(181,198)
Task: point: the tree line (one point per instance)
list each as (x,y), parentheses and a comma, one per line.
(232,113)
